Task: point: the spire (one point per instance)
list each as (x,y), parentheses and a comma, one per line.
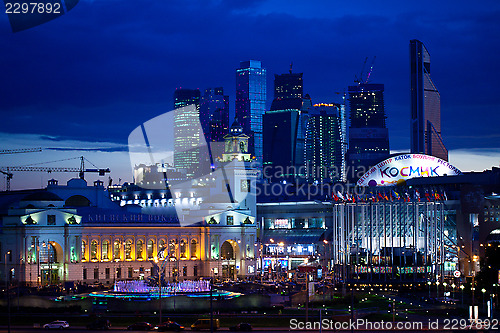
(236,128)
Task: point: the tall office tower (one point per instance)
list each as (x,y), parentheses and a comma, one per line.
(280,144)
(250,103)
(324,153)
(368,134)
(284,128)
(288,91)
(214,117)
(425,105)
(187,131)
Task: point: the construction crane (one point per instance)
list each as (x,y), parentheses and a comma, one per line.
(81,170)
(360,79)
(17,151)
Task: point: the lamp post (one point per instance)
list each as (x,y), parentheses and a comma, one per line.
(483,291)
(429,283)
(462,287)
(7,289)
(437,289)
(161,257)
(278,266)
(272,242)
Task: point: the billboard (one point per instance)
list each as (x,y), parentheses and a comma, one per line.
(399,168)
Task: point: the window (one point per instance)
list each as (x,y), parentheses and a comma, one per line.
(183,249)
(245,185)
(51,220)
(96,273)
(84,249)
(172,248)
(128,250)
(194,249)
(119,273)
(195,270)
(229,220)
(107,272)
(116,250)
(150,247)
(85,274)
(130,272)
(105,250)
(184,271)
(140,249)
(93,250)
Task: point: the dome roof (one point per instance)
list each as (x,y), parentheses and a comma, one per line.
(42,196)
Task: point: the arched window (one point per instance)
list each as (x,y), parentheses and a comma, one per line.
(128,250)
(84,249)
(93,250)
(150,248)
(183,249)
(161,245)
(194,249)
(139,250)
(172,248)
(116,250)
(105,250)
(47,253)
(227,251)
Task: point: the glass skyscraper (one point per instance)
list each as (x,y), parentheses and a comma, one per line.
(250,103)
(425,105)
(187,131)
(324,151)
(368,134)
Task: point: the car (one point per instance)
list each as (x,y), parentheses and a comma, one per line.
(57,324)
(170,326)
(141,326)
(241,327)
(204,324)
(99,324)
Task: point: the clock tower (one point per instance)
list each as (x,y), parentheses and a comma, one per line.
(236,144)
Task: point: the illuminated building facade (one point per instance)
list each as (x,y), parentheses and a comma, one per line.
(324,154)
(425,105)
(368,134)
(250,104)
(86,234)
(187,132)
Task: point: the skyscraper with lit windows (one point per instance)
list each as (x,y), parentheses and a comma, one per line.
(368,134)
(250,102)
(425,105)
(187,131)
(324,151)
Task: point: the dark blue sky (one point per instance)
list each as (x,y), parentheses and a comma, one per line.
(100,70)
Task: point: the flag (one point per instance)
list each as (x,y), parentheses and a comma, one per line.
(417,195)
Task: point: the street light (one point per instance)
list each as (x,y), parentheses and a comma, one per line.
(483,291)
(7,288)
(462,287)
(429,283)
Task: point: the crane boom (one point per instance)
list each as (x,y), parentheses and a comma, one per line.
(7,170)
(17,151)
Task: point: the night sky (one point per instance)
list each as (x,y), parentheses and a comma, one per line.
(82,82)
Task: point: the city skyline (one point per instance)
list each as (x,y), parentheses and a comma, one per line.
(86,90)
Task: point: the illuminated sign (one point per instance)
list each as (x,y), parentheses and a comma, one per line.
(399,168)
(281,224)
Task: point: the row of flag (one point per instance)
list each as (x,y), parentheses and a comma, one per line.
(392,195)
